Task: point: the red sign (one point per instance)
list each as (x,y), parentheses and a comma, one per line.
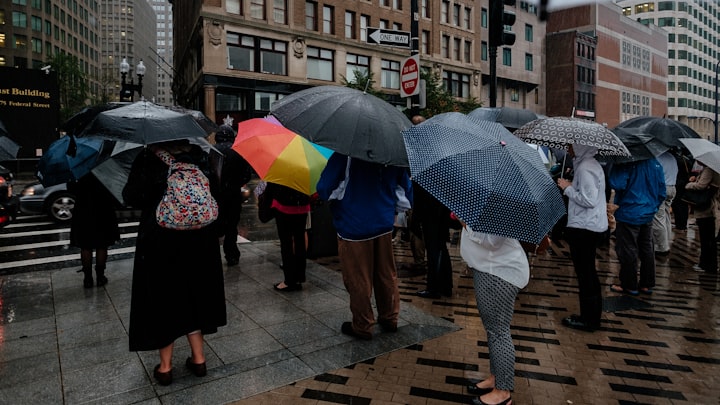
(410,76)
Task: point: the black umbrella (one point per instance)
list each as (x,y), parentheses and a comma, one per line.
(203,120)
(75,124)
(143,122)
(489,178)
(667,130)
(641,145)
(347,121)
(8,148)
(510,118)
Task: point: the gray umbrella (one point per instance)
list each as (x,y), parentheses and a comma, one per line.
(510,118)
(559,132)
(144,123)
(348,121)
(703,151)
(489,178)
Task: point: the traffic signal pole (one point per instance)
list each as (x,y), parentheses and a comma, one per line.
(497,37)
(414,50)
(493,76)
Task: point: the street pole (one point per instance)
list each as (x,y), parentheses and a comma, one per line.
(493,76)
(717,66)
(414,50)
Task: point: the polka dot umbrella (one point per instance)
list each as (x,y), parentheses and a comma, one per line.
(559,132)
(489,178)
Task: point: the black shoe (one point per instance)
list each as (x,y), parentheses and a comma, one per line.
(427,294)
(233,261)
(473,389)
(575,322)
(88,282)
(288,287)
(101,281)
(388,326)
(347,329)
(199,370)
(163,378)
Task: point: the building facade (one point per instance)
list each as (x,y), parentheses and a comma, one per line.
(604,66)
(164,58)
(693,31)
(32,31)
(236,57)
(127,30)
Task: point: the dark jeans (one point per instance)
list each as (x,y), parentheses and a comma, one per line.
(583,245)
(439,275)
(633,242)
(291,232)
(708,244)
(680,210)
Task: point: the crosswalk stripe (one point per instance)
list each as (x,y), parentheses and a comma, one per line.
(54,231)
(53,243)
(56,259)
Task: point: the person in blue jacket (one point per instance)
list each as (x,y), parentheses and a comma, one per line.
(363,199)
(639,192)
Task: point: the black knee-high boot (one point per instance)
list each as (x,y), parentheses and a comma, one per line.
(100,273)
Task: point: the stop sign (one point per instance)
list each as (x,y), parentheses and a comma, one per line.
(410,76)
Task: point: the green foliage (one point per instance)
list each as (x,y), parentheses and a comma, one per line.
(364,81)
(439,100)
(72,82)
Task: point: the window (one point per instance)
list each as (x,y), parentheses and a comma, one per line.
(507,57)
(19,41)
(320,64)
(466,18)
(264,101)
(444,10)
(354,63)
(311,16)
(19,19)
(483,50)
(233,6)
(328,20)
(466,53)
(397,26)
(457,84)
(390,74)
(424,9)
(457,46)
(484,18)
(424,41)
(514,94)
(36,45)
(385,3)
(445,46)
(349,24)
(384,24)
(254,54)
(397,4)
(456,15)
(528,62)
(528,32)
(257,9)
(36,23)
(364,23)
(280,11)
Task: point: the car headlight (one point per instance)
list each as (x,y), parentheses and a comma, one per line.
(32,190)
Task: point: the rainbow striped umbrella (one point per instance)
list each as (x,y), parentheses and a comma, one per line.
(281,156)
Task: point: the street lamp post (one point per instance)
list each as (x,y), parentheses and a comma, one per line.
(127,90)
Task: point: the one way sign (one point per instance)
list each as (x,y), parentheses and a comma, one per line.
(388,37)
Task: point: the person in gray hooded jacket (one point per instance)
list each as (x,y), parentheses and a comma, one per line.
(587,221)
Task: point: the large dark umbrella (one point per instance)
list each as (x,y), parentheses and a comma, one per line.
(80,120)
(489,178)
(510,118)
(347,121)
(143,122)
(203,120)
(641,145)
(667,130)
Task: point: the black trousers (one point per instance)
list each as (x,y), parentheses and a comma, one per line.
(708,244)
(291,232)
(439,276)
(633,242)
(583,244)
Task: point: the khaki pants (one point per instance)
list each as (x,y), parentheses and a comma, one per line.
(368,265)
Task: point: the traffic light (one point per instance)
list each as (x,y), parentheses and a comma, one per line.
(499,18)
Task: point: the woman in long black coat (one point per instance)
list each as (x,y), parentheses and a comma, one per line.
(94,226)
(178,286)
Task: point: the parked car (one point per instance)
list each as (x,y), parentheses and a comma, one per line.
(55,201)
(8,201)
